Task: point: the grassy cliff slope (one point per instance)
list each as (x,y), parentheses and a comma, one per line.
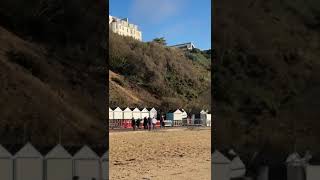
(157,75)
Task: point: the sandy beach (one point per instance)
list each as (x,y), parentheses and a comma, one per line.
(173,154)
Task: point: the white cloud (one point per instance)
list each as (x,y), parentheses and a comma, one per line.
(155,11)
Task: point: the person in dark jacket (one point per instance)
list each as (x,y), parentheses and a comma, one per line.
(133,124)
(145,123)
(149,123)
(161,121)
(138,123)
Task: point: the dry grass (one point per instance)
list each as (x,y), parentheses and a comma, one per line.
(56,97)
(170,154)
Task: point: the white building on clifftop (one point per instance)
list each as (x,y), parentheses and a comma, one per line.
(124,28)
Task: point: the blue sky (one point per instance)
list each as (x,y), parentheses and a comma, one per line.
(178,21)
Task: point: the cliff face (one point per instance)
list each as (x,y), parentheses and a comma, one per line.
(150,74)
(52,72)
(266,74)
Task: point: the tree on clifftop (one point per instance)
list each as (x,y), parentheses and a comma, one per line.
(161,41)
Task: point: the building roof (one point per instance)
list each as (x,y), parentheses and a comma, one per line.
(117,108)
(219,158)
(58,152)
(136,110)
(85,153)
(127,109)
(28,151)
(237,163)
(182,44)
(144,110)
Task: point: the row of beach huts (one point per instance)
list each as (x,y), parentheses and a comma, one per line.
(177,117)
(56,163)
(227,165)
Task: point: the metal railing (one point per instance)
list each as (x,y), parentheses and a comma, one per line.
(126,124)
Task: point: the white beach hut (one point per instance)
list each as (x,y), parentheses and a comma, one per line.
(58,164)
(208,120)
(237,167)
(203,117)
(110,113)
(145,113)
(127,114)
(6,164)
(105,165)
(295,169)
(117,113)
(312,172)
(152,112)
(28,164)
(175,117)
(184,114)
(220,168)
(136,113)
(86,164)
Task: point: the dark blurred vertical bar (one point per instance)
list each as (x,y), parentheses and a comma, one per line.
(266,87)
(53,77)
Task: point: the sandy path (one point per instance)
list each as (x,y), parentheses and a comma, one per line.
(162,155)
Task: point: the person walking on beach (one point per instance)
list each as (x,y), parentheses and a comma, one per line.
(138,123)
(133,124)
(154,122)
(149,123)
(145,123)
(161,121)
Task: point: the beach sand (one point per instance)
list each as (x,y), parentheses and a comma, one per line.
(173,154)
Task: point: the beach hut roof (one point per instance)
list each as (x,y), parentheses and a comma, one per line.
(58,152)
(229,154)
(110,109)
(85,153)
(4,153)
(127,109)
(28,151)
(236,163)
(294,157)
(219,158)
(144,110)
(151,109)
(136,109)
(117,109)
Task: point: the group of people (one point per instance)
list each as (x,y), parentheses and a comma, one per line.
(148,123)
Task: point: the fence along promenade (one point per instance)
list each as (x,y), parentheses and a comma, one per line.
(126,124)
